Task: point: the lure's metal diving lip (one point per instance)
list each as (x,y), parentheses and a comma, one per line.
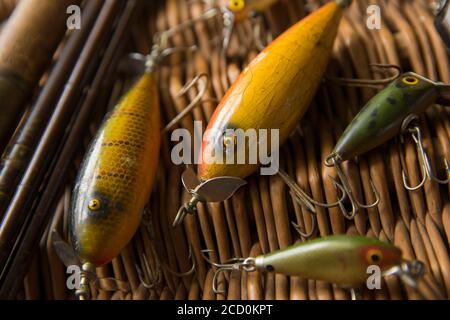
(216,189)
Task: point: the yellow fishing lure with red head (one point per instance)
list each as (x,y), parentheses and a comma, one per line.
(275,90)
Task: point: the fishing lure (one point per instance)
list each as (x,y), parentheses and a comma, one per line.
(392,111)
(232,13)
(273,92)
(117,174)
(342,260)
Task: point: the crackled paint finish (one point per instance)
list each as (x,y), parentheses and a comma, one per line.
(342,259)
(116,176)
(276,88)
(381,118)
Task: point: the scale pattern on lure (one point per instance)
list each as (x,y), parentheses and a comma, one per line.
(116,176)
(275,90)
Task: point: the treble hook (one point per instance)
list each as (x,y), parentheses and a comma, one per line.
(236,264)
(143,275)
(228,24)
(304,199)
(334,161)
(163,36)
(370,83)
(203,87)
(313,220)
(186,273)
(410,125)
(228,18)
(163,266)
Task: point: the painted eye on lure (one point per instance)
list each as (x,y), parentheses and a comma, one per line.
(236,5)
(269,94)
(121,167)
(333,259)
(286,99)
(94,205)
(394,111)
(410,80)
(374,256)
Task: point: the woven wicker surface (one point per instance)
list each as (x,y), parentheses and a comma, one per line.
(257,219)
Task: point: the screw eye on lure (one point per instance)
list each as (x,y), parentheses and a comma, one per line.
(87,274)
(212,190)
(342,260)
(116,176)
(270,95)
(392,111)
(232,12)
(236,11)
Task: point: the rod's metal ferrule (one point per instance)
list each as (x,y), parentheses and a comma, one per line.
(344,3)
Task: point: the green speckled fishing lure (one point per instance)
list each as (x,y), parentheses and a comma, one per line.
(339,259)
(395,110)
(383,116)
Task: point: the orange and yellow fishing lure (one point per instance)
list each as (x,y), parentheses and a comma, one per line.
(272,93)
(277,87)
